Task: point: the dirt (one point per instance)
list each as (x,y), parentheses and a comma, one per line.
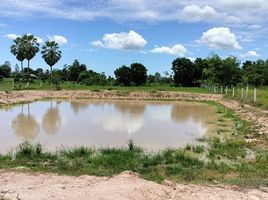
(125,186)
(34,186)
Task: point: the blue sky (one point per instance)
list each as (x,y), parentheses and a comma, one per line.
(106,34)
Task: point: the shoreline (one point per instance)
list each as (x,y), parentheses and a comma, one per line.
(255,115)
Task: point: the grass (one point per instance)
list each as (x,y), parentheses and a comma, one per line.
(225,162)
(262,96)
(6,85)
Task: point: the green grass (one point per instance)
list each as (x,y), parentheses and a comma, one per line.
(6,85)
(225,163)
(262,96)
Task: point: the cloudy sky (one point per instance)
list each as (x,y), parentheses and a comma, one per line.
(105,34)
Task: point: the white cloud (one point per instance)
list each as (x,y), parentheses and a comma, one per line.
(254,11)
(245,3)
(194,13)
(176,50)
(254,27)
(123,40)
(220,37)
(251,54)
(61,40)
(12,36)
(39,40)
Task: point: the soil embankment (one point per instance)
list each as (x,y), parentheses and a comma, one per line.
(125,186)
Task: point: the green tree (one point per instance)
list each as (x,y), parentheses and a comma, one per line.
(123,75)
(5,70)
(75,69)
(51,54)
(201,64)
(30,48)
(222,71)
(136,74)
(255,73)
(18,50)
(139,73)
(186,73)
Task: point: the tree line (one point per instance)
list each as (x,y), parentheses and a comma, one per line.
(212,70)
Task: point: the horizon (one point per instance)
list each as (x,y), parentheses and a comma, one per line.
(105,35)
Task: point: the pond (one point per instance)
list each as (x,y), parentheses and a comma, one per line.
(106,123)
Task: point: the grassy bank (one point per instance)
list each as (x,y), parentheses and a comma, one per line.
(225,158)
(6,85)
(221,162)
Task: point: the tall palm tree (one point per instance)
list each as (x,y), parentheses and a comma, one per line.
(31,47)
(51,54)
(18,50)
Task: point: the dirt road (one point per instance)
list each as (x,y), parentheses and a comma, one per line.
(126,186)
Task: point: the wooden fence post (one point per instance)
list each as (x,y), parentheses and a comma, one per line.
(242,93)
(255,95)
(247,93)
(233,91)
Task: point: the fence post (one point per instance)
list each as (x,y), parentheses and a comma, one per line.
(226,90)
(242,93)
(255,95)
(221,90)
(12,85)
(247,93)
(233,91)
(214,88)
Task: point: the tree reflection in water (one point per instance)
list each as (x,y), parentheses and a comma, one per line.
(52,120)
(25,125)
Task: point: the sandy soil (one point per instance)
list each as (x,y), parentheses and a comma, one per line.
(35,186)
(125,186)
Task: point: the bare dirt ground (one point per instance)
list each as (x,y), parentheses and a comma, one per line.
(35,186)
(125,186)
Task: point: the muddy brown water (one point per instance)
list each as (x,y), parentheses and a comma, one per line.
(106,123)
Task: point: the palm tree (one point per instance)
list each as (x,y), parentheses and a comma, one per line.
(18,50)
(51,54)
(31,47)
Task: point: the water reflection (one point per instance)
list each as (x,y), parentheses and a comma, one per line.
(77,106)
(52,120)
(152,125)
(120,123)
(134,108)
(185,111)
(25,125)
